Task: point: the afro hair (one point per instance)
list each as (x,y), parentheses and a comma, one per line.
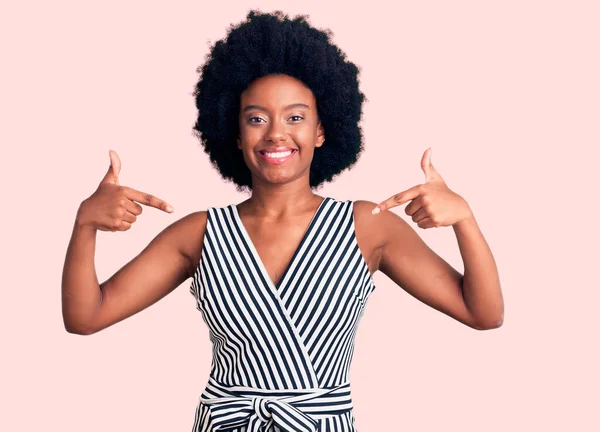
(274,44)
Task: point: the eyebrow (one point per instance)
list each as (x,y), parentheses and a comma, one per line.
(295,105)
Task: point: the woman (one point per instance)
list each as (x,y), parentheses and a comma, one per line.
(282,278)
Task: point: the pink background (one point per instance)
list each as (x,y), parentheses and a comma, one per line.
(506,93)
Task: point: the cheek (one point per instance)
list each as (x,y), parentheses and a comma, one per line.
(251,135)
(305,136)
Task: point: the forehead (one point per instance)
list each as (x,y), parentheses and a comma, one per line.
(277,90)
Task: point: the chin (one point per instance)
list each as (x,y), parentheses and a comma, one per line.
(278,179)
(276,176)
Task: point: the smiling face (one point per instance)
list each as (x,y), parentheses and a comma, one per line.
(279,129)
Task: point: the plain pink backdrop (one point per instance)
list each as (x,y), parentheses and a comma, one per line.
(506,94)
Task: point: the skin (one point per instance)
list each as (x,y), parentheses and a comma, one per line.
(474,298)
(282,197)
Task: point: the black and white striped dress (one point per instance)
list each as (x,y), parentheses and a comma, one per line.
(281,353)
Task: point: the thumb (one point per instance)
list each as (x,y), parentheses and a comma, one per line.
(112,175)
(431,173)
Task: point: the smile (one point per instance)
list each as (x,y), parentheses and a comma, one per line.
(277,158)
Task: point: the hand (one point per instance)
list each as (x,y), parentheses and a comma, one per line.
(433,203)
(112,207)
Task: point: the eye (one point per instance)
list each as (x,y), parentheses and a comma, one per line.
(298,117)
(252,118)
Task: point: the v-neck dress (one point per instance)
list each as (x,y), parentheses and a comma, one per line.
(281,353)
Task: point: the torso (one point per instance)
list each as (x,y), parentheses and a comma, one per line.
(276,242)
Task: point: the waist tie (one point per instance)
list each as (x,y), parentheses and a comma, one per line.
(260,410)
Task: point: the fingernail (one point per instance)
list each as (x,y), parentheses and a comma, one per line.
(169,208)
(375,210)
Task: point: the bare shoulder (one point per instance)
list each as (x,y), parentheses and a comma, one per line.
(380,224)
(367,223)
(188,234)
(369,235)
(377,231)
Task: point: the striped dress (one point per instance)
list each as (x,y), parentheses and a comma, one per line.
(281,353)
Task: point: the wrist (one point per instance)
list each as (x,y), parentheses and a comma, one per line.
(80,222)
(466,221)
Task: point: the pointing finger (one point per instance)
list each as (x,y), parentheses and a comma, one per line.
(148,199)
(398,199)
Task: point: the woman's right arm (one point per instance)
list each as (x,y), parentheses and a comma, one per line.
(81,294)
(168,260)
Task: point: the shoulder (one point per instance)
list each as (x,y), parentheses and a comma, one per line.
(186,235)
(369,235)
(380,229)
(380,223)
(365,222)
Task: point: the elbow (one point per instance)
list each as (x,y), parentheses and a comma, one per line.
(78,323)
(81,332)
(78,329)
(490,325)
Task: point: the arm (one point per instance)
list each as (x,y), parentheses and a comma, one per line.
(411,264)
(481,283)
(163,265)
(475,299)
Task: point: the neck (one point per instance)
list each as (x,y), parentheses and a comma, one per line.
(275,201)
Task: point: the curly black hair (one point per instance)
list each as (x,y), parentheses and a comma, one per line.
(267,44)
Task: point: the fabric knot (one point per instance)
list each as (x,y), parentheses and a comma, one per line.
(259,414)
(261,409)
(264,410)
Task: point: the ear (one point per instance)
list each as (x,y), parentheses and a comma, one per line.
(320,135)
(239,143)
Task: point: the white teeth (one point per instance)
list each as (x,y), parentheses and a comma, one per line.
(278,154)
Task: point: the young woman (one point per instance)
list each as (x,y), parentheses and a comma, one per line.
(282,278)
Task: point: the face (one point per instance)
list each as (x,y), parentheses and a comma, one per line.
(279,129)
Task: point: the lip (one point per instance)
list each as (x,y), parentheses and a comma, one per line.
(276,161)
(276,149)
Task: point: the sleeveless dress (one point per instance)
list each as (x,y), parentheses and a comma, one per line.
(281,353)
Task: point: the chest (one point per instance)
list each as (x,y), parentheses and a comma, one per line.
(276,246)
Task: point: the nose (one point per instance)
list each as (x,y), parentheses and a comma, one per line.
(276,133)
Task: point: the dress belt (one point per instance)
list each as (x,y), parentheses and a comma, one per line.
(260,410)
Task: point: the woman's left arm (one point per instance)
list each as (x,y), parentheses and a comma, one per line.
(433,204)
(481,283)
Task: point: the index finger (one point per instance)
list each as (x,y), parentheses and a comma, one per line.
(398,199)
(148,199)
